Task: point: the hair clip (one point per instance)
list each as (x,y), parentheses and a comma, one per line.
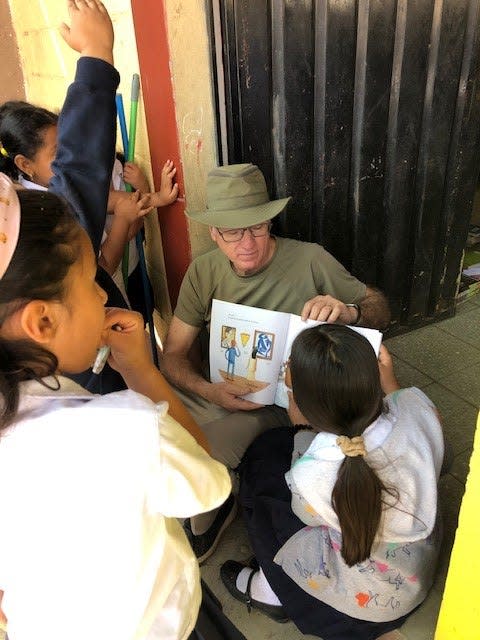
(352,447)
(3,151)
(9,222)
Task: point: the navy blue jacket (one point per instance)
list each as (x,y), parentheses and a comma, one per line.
(83,171)
(86,145)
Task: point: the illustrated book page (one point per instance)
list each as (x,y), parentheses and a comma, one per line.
(251,346)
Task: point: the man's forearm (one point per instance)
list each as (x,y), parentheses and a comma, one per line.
(180,371)
(374,310)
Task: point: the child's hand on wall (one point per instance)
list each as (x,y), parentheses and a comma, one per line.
(168,189)
(134,176)
(90,32)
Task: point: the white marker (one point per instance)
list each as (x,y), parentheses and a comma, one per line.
(103,353)
(101,359)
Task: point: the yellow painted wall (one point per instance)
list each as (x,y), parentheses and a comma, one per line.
(459,617)
(48,67)
(194,105)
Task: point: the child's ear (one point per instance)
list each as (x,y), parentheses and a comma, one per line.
(24,164)
(39,321)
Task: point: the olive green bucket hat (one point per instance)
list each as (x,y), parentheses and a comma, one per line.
(237,197)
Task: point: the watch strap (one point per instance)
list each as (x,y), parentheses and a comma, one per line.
(359,311)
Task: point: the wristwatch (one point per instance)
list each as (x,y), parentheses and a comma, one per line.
(359,312)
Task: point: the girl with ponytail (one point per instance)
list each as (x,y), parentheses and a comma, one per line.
(342,511)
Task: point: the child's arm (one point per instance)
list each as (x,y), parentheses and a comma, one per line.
(87,123)
(388,380)
(168,189)
(134,176)
(135,227)
(130,356)
(127,210)
(114,197)
(111,251)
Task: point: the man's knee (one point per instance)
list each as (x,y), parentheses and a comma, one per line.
(230,436)
(230,433)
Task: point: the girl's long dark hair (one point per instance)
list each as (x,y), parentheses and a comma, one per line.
(47,247)
(22,126)
(336,385)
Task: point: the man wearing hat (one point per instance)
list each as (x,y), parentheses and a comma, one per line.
(251,267)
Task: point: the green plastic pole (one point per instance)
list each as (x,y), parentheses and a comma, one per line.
(132,133)
(132,136)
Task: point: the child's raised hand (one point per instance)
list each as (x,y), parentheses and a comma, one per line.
(90,32)
(168,189)
(388,380)
(134,176)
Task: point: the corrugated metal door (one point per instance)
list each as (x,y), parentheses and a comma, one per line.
(368,114)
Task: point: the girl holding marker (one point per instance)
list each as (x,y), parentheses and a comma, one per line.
(90,486)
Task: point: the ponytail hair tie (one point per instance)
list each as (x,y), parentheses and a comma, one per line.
(9,222)
(3,151)
(352,447)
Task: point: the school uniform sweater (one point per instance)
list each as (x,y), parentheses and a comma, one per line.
(90,491)
(405,447)
(86,130)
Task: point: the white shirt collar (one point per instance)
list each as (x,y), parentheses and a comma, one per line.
(55,387)
(28,184)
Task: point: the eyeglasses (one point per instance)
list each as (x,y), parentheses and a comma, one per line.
(235,235)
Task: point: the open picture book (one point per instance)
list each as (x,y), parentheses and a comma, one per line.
(252,346)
